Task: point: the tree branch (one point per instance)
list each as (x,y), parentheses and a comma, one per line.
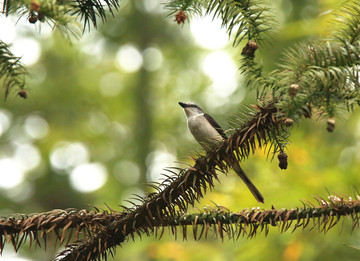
(12,71)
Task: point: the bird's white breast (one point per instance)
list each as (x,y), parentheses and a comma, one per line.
(204,132)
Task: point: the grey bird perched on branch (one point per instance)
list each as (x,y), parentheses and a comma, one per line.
(210,135)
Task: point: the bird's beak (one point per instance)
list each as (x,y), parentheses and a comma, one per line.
(182,104)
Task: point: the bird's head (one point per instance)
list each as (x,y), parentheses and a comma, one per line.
(191,109)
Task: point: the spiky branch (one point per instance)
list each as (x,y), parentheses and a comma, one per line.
(19,227)
(248,222)
(218,221)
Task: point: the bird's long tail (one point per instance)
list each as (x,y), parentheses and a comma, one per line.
(239,171)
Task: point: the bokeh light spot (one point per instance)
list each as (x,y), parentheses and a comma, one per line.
(28,49)
(220,67)
(7,30)
(21,193)
(110,84)
(153,59)
(150,6)
(10,256)
(128,58)
(88,177)
(11,175)
(28,156)
(67,155)
(156,162)
(5,120)
(208,32)
(98,122)
(36,127)
(127,172)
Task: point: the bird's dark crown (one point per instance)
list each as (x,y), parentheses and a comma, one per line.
(188,105)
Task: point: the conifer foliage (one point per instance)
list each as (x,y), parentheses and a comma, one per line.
(12,71)
(321,75)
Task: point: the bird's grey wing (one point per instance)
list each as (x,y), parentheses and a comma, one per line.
(213,123)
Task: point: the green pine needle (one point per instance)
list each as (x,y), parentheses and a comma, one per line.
(12,71)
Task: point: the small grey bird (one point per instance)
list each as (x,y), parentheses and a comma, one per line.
(210,135)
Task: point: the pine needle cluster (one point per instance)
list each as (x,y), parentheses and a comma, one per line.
(12,71)
(322,74)
(243,19)
(63,16)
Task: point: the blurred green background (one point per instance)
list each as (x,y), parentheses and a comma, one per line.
(102,119)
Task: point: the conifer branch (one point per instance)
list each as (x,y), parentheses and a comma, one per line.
(219,222)
(89,11)
(51,12)
(190,7)
(326,74)
(251,222)
(321,74)
(251,19)
(347,24)
(61,223)
(63,14)
(12,71)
